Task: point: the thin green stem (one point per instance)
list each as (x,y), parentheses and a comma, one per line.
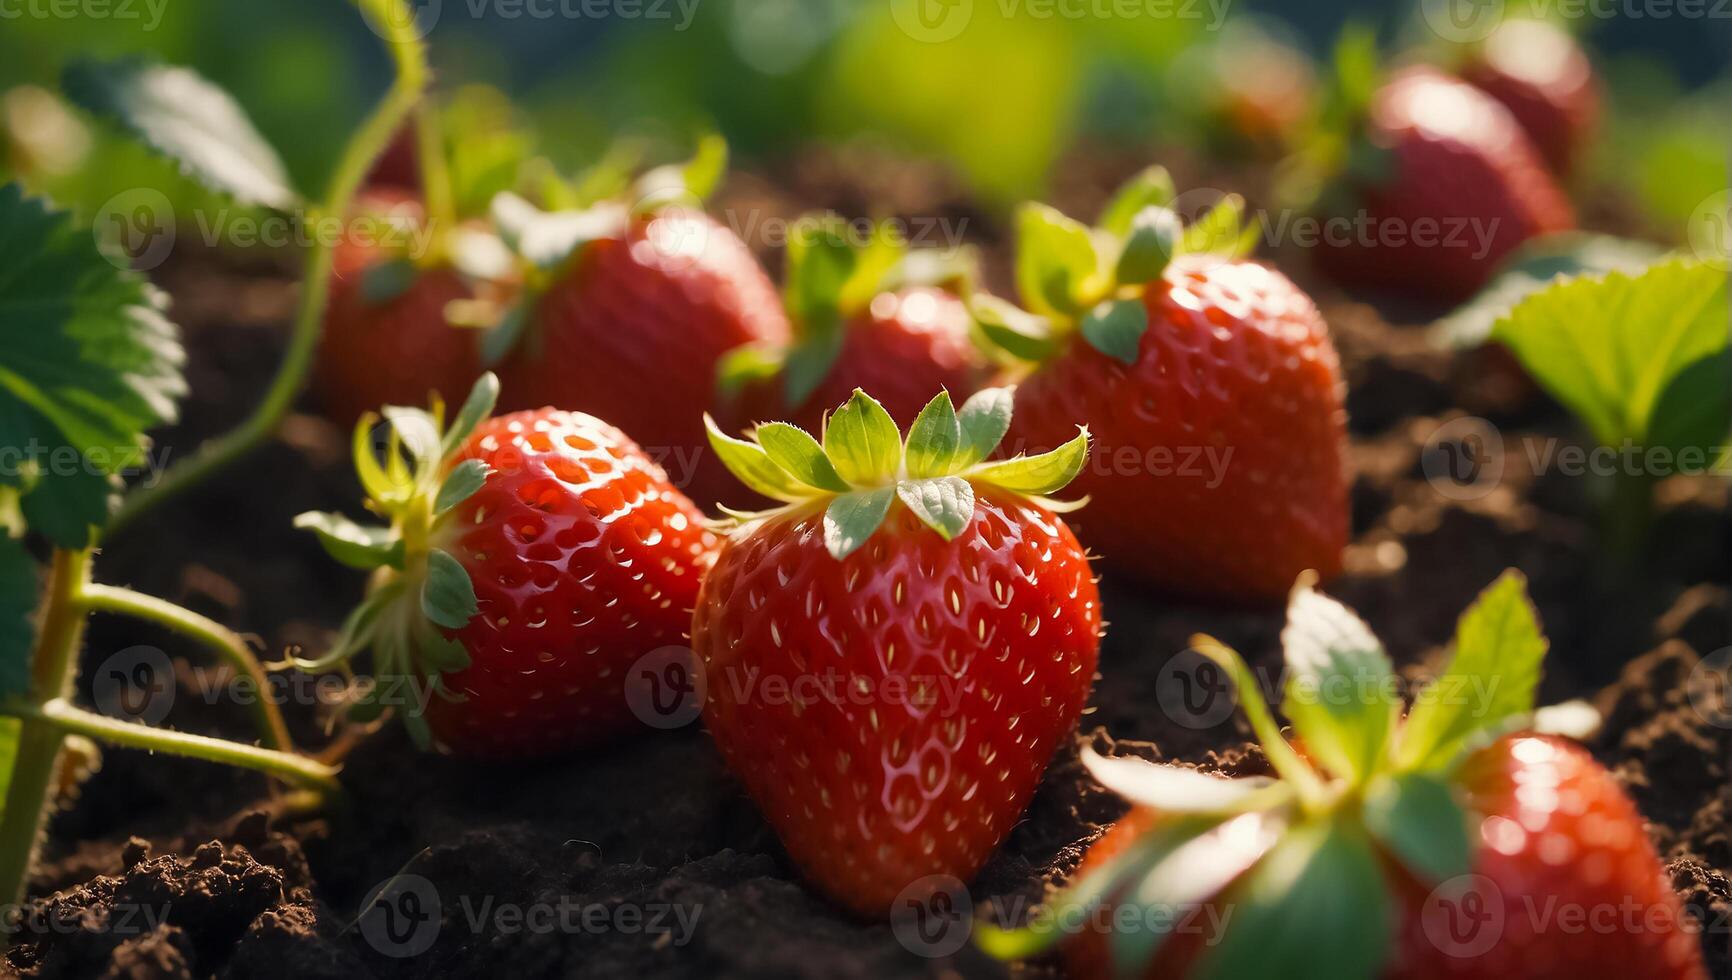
(69,719)
(435,173)
(215,637)
(391,17)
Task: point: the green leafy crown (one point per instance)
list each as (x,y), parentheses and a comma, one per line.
(419,592)
(1301,856)
(1074,278)
(863,466)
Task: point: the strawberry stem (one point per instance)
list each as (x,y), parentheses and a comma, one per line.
(410,57)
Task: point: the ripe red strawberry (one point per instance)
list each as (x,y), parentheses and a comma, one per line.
(864,316)
(531,560)
(386,339)
(1213,393)
(1445,185)
(1408,854)
(892,658)
(1544,79)
(629,315)
(399,166)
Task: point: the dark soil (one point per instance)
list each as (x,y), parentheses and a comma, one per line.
(162,867)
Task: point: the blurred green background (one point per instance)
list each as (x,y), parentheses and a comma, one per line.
(999,97)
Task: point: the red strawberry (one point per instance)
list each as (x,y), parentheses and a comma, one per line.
(399,166)
(1410,854)
(531,560)
(1215,400)
(934,628)
(630,317)
(386,340)
(1544,79)
(1448,185)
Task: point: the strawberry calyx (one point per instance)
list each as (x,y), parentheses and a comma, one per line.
(861,466)
(829,279)
(1336,156)
(1075,279)
(1309,846)
(419,593)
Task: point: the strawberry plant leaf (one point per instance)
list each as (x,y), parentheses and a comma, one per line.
(684,183)
(501,339)
(1150,243)
(447,597)
(1490,678)
(796,452)
(477,408)
(1037,475)
(1314,908)
(546,239)
(18,588)
(1533,267)
(1152,187)
(1340,693)
(1416,816)
(1116,328)
(185,117)
(355,545)
(944,504)
(985,418)
(1055,259)
(934,439)
(385,281)
(851,518)
(753,466)
(862,441)
(1222,231)
(88,363)
(1612,347)
(1171,789)
(1022,335)
(460,484)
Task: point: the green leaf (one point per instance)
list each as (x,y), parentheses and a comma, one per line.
(1490,678)
(1610,347)
(503,337)
(1037,475)
(808,363)
(355,545)
(447,597)
(862,442)
(795,451)
(985,418)
(746,365)
(1222,231)
(1151,242)
(1533,267)
(546,239)
(1314,908)
(851,518)
(944,504)
(438,652)
(1152,187)
(820,261)
(1020,334)
(88,363)
(183,116)
(1171,789)
(684,183)
(385,281)
(934,439)
(1055,259)
(1340,693)
(419,434)
(477,408)
(19,585)
(460,484)
(1116,327)
(1417,818)
(753,466)
(704,171)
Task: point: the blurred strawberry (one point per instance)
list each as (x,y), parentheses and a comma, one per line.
(1544,79)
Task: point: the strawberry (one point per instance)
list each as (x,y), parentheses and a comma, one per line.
(1210,385)
(630,310)
(530,560)
(399,164)
(1542,76)
(875,317)
(1451,844)
(1442,185)
(892,657)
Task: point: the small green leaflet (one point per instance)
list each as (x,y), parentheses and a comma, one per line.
(1152,188)
(448,597)
(861,441)
(87,363)
(1638,357)
(355,545)
(985,418)
(186,118)
(1116,328)
(1533,267)
(460,484)
(1171,789)
(1055,259)
(477,407)
(1024,336)
(1150,243)
(945,503)
(546,239)
(19,584)
(752,466)
(1340,693)
(1491,677)
(1038,475)
(794,450)
(1415,816)
(851,518)
(935,439)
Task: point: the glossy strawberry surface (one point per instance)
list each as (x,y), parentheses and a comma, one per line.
(1456,185)
(396,351)
(583,558)
(892,712)
(1544,79)
(1218,465)
(633,333)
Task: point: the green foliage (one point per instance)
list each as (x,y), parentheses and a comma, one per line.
(18,588)
(1533,267)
